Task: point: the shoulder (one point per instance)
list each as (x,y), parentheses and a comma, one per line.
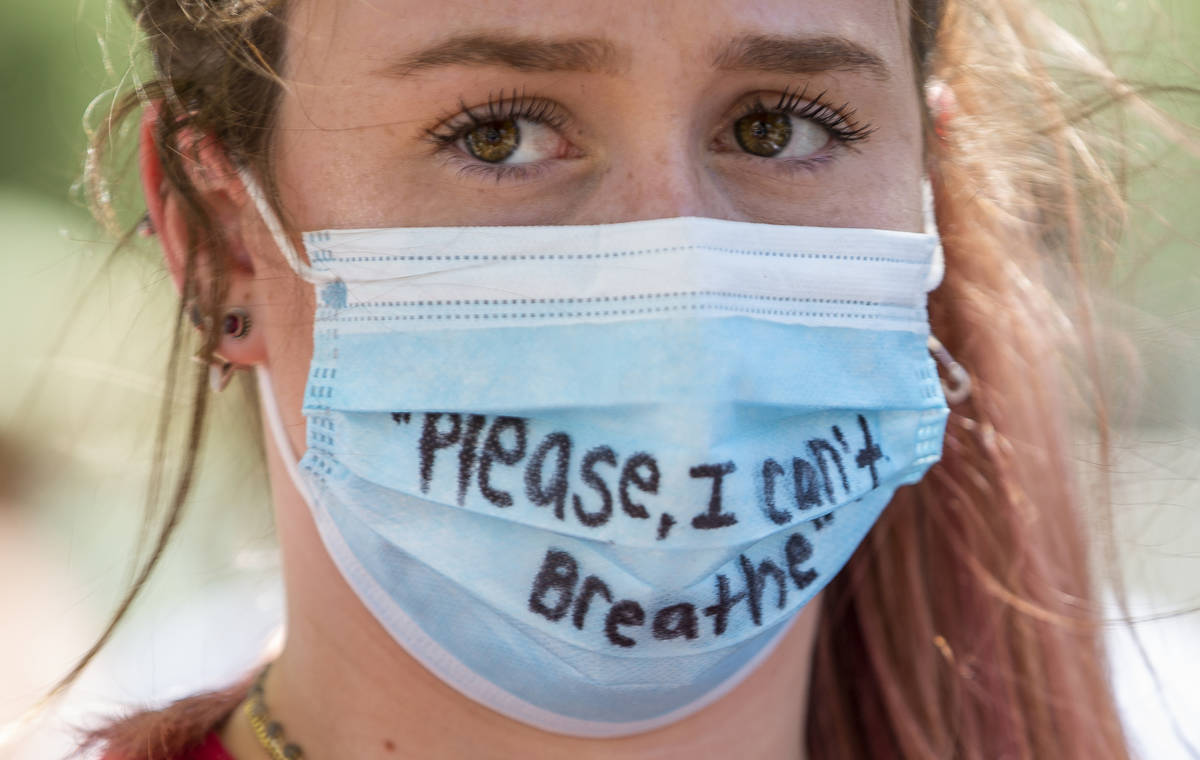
(183,730)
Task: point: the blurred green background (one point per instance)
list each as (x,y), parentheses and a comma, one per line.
(85,338)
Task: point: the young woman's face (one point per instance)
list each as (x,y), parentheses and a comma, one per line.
(502,112)
(556,112)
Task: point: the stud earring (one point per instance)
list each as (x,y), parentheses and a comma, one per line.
(236,323)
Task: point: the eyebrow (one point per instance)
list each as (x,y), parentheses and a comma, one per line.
(787,54)
(589,54)
(799,55)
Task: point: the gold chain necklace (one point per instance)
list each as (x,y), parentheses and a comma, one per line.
(268,731)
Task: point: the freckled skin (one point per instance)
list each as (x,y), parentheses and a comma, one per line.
(352,151)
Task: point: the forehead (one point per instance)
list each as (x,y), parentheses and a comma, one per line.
(336,41)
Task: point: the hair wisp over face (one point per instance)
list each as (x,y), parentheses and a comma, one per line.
(966,625)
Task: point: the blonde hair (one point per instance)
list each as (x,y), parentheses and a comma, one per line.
(966,625)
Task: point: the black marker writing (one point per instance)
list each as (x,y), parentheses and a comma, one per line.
(467,453)
(600,454)
(631,475)
(494,450)
(807,484)
(770,470)
(624,612)
(559,573)
(556,589)
(756,584)
(554,492)
(798,551)
(591,587)
(594,484)
(714,517)
(719,610)
(870,452)
(821,452)
(665,521)
(675,621)
(432,439)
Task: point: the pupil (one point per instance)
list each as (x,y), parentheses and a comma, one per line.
(493,142)
(763,134)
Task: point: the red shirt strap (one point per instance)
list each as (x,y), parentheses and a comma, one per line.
(210,749)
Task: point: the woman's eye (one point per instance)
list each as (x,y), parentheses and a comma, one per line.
(772,133)
(513,140)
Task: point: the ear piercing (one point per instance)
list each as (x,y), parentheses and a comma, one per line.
(236,324)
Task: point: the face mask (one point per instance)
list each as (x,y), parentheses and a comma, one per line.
(588,475)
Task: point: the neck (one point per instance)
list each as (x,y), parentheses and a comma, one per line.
(342,687)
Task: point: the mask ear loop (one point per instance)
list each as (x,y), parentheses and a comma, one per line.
(957,386)
(283,444)
(266,388)
(282,241)
(937,268)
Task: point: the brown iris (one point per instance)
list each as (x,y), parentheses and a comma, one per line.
(494,141)
(763,134)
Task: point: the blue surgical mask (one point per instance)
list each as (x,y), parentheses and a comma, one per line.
(588,475)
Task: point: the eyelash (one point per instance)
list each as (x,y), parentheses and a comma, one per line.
(838,120)
(453,127)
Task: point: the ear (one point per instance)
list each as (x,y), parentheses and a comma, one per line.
(221,192)
(943,106)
